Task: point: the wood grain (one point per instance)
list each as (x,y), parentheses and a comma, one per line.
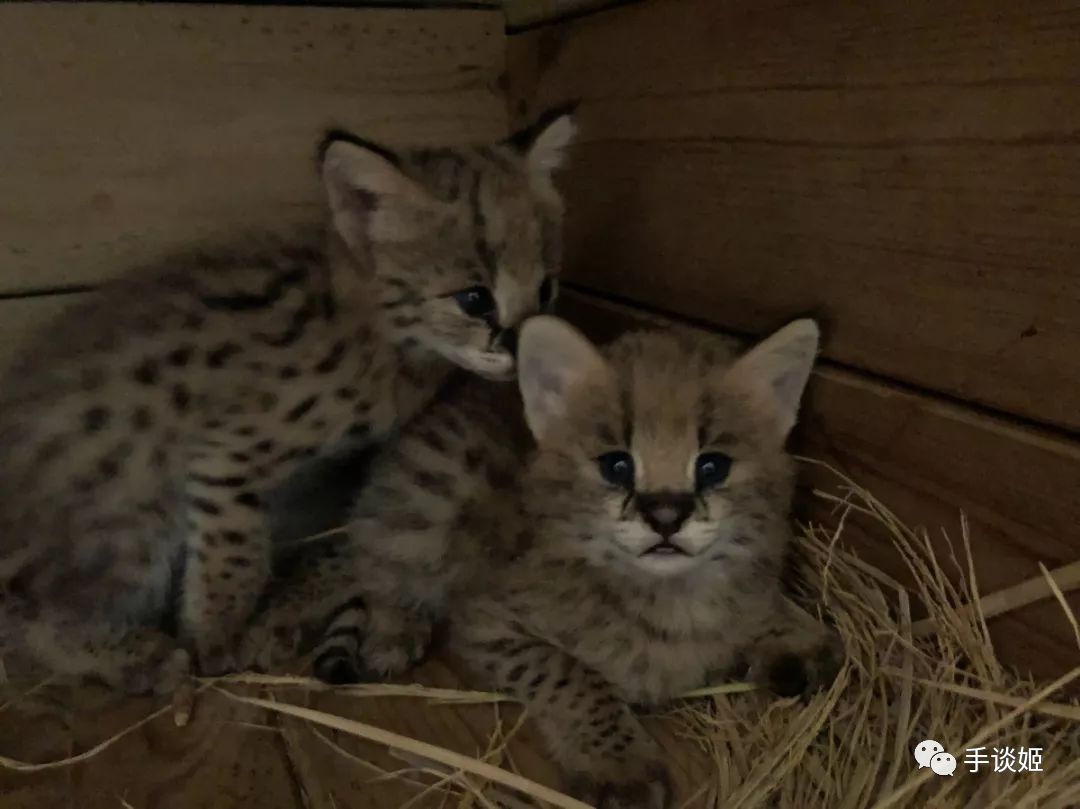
(909,172)
(246,757)
(130,129)
(929,460)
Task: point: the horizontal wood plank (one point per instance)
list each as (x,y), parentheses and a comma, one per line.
(928,461)
(248,757)
(522,13)
(910,172)
(130,129)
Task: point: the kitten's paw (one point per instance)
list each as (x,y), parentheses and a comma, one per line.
(269,645)
(217,655)
(162,674)
(387,651)
(647,787)
(799,673)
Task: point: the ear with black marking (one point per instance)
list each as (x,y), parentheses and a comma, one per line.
(371,198)
(775,372)
(545,142)
(555,363)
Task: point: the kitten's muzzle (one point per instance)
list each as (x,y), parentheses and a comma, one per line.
(665,512)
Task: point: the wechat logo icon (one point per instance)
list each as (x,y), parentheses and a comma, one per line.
(931,754)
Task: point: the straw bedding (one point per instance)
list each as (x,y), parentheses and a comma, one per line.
(905,680)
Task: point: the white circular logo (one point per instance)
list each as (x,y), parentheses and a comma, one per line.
(926,751)
(943,764)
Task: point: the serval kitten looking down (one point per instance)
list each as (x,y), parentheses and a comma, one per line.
(635,557)
(142,431)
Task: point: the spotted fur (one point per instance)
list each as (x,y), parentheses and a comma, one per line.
(577,590)
(142,432)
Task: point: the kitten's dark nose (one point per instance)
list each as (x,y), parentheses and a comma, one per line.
(665,512)
(508,339)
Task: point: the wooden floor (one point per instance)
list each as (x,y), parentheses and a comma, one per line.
(236,755)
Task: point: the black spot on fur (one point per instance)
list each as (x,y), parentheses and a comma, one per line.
(227,481)
(181,398)
(141,419)
(474,458)
(288,372)
(248,499)
(205,506)
(516,673)
(298,411)
(217,357)
(108,468)
(50,449)
(263,447)
(147,372)
(332,360)
(180,357)
(95,419)
(234,537)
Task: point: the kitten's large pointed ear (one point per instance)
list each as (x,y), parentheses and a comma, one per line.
(555,363)
(776,370)
(370,197)
(545,142)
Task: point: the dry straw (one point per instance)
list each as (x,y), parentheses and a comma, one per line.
(847,748)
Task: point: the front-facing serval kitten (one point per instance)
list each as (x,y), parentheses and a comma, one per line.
(636,556)
(142,432)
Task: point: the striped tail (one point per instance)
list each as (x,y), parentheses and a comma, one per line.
(337,657)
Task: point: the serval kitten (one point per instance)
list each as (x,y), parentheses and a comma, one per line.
(142,432)
(635,557)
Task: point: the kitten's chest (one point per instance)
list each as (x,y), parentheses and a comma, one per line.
(649,671)
(655,652)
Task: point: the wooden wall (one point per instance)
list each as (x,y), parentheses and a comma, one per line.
(910,173)
(129,129)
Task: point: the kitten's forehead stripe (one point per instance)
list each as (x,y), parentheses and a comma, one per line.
(483,246)
(667,405)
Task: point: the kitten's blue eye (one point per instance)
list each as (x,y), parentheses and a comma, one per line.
(548,290)
(476,301)
(711,470)
(617,468)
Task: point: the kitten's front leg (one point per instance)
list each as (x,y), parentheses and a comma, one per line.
(228,561)
(793,653)
(610,759)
